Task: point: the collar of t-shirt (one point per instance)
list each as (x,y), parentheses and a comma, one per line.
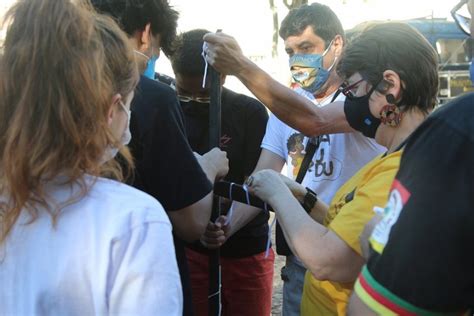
(399,147)
(328,99)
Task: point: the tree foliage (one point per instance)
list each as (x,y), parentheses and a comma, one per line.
(290,4)
(275,28)
(294,3)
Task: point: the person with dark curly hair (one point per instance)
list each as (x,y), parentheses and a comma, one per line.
(244,119)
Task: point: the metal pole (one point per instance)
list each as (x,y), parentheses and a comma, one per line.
(214,141)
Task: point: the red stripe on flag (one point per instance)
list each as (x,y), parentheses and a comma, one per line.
(382,300)
(397,185)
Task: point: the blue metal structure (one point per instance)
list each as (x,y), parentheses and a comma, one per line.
(454,49)
(435,29)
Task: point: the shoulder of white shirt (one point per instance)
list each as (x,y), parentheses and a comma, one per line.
(329,98)
(122,194)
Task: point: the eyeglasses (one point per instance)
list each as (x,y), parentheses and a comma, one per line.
(185,98)
(348,90)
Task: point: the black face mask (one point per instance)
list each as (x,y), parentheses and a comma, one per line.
(195,109)
(196,117)
(358,114)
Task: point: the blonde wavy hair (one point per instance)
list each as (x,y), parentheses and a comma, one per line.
(61,66)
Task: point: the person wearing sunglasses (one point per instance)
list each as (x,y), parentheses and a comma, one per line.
(390,83)
(243,126)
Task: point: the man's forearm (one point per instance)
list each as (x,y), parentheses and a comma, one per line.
(190,222)
(242,215)
(291,108)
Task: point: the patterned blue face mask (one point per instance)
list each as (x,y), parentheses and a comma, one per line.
(150,65)
(307,70)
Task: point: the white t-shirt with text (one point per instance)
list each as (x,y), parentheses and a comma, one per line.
(337,159)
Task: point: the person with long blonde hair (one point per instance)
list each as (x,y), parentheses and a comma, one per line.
(73,242)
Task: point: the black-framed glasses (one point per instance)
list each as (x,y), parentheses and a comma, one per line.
(462,17)
(347,89)
(185,98)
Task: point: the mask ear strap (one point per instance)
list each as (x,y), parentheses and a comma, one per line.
(325,52)
(327,49)
(141,54)
(333,63)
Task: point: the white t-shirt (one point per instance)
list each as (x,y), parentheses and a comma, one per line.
(111,253)
(337,159)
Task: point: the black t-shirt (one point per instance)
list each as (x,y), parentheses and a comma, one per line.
(243,124)
(166,167)
(422,252)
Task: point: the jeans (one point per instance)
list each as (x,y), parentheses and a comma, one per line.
(292,275)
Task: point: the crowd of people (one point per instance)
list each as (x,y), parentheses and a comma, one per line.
(107,175)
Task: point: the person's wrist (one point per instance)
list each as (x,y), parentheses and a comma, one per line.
(245,68)
(210,169)
(300,192)
(310,199)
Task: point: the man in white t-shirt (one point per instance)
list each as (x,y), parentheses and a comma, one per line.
(314,39)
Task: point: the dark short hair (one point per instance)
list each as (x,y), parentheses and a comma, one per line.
(399,47)
(320,17)
(134,15)
(187,59)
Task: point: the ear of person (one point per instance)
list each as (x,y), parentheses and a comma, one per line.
(145,38)
(390,114)
(113,108)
